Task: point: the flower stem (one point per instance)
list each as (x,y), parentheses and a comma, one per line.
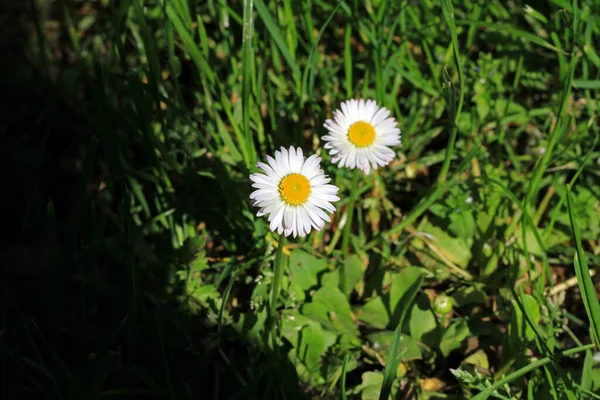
(277,272)
(351,204)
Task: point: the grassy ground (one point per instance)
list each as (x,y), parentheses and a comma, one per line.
(134,265)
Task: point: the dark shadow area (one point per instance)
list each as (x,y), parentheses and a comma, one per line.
(91,304)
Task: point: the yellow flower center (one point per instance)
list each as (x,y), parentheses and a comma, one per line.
(361,134)
(294,189)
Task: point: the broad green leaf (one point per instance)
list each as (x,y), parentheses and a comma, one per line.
(479,359)
(374,313)
(462,224)
(408,348)
(292,324)
(351,270)
(482,103)
(453,337)
(304,270)
(468,295)
(422,322)
(330,307)
(505,107)
(353,273)
(331,278)
(252,324)
(595,379)
(370,388)
(311,346)
(406,281)
(519,328)
(455,250)
(533,246)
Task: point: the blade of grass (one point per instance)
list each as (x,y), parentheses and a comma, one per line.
(454,110)
(308,77)
(248,68)
(586,286)
(586,371)
(501,28)
(190,45)
(586,84)
(348,61)
(528,368)
(448,12)
(393,357)
(273,29)
(343,383)
(389,374)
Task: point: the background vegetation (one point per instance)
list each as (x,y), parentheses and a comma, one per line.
(133,264)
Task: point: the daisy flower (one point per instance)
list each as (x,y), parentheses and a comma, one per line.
(360,135)
(294,191)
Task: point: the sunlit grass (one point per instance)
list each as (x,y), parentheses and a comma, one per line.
(140,268)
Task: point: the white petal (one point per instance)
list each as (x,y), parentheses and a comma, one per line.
(276,222)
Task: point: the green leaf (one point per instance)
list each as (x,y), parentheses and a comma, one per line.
(408,348)
(353,273)
(422,322)
(586,371)
(311,346)
(292,324)
(455,250)
(370,388)
(304,270)
(479,359)
(468,295)
(596,379)
(462,224)
(453,337)
(532,309)
(482,103)
(330,307)
(586,84)
(563,4)
(402,292)
(533,245)
(374,313)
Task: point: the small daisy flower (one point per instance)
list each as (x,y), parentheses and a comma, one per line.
(360,135)
(294,191)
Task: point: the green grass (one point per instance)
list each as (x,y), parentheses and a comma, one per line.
(134,265)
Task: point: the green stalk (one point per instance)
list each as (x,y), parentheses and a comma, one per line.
(277,272)
(348,226)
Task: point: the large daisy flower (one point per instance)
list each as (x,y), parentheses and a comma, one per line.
(360,135)
(294,191)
